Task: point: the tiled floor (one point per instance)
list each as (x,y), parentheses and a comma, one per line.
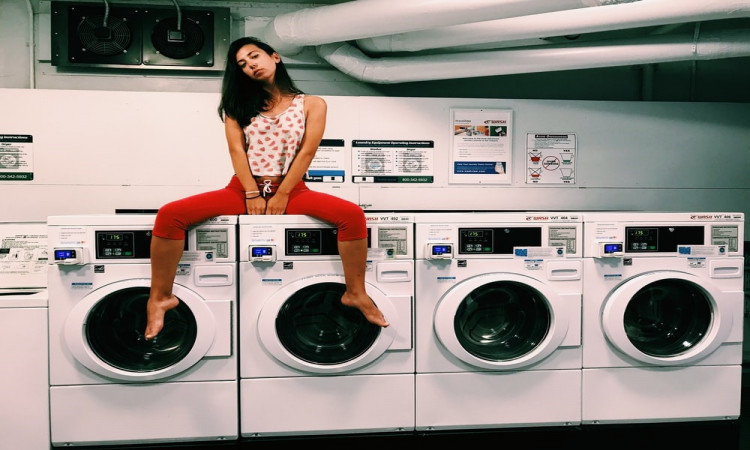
(731,435)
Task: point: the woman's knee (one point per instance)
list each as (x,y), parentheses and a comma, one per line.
(170,223)
(353,224)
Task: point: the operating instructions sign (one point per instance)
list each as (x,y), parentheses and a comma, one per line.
(396,161)
(15,157)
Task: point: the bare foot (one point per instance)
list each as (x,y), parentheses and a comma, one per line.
(367,307)
(155,310)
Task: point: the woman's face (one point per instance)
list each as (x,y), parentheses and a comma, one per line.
(256,63)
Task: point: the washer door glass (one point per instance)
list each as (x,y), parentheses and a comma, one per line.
(502,320)
(104,332)
(114,331)
(505,321)
(667,317)
(314,326)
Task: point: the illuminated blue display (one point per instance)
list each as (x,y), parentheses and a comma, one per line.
(441,249)
(64,254)
(262,251)
(612,248)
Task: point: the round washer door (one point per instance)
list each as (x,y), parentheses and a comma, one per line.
(665,318)
(501,321)
(104,332)
(305,326)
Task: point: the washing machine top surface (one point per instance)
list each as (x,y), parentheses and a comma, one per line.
(498,236)
(648,234)
(266,239)
(663,216)
(286,219)
(495,217)
(124,220)
(126,239)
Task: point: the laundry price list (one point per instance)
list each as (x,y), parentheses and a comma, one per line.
(380,161)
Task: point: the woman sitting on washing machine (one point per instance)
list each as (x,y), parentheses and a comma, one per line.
(273,131)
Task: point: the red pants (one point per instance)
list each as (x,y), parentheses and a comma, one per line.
(175,217)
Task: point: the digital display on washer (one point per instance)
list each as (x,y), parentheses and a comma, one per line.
(65,254)
(475,240)
(612,248)
(661,238)
(116,244)
(261,251)
(304,241)
(314,241)
(497,241)
(440,250)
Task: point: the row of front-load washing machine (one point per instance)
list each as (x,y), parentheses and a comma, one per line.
(496,320)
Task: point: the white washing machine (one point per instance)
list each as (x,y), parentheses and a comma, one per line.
(108,385)
(498,320)
(308,364)
(662,316)
(24,414)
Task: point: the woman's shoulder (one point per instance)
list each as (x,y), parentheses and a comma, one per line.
(313,102)
(313,99)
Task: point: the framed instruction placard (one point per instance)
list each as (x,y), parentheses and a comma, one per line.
(16,157)
(550,158)
(396,161)
(481,147)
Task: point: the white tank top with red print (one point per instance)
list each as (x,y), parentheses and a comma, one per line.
(272,142)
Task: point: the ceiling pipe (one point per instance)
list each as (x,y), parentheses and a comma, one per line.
(653,49)
(560,23)
(288,33)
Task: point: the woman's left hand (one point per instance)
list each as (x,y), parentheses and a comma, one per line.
(276,205)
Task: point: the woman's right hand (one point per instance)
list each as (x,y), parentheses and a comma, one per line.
(256,206)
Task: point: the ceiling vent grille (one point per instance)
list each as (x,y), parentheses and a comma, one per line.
(139,37)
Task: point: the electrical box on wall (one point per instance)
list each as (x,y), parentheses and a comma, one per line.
(139,37)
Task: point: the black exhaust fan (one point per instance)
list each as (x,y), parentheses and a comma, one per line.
(101,35)
(184,38)
(89,34)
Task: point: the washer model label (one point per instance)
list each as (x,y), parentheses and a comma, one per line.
(533,264)
(696,262)
(183,269)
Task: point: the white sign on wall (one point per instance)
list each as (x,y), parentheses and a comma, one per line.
(550,158)
(376,161)
(481,147)
(15,157)
(329,164)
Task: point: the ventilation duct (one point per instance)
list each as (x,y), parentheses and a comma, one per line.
(657,49)
(523,29)
(138,37)
(559,23)
(288,33)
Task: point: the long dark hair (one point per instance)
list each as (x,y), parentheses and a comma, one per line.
(242,98)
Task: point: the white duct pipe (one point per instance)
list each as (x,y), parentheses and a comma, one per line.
(561,23)
(288,33)
(655,49)
(32,70)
